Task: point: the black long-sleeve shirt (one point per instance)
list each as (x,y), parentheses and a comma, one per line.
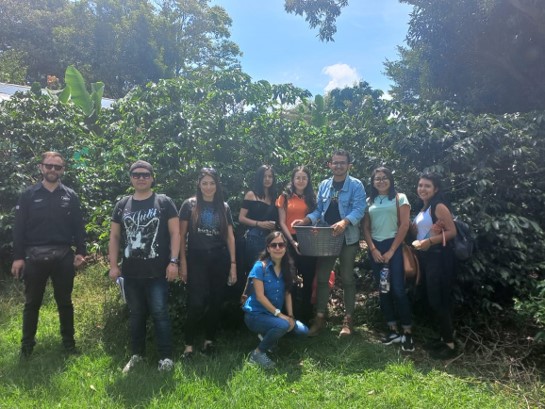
(45,218)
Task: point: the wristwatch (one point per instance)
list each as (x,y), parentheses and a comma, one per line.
(175,260)
(277,312)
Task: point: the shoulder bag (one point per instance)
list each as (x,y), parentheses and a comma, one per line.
(411,266)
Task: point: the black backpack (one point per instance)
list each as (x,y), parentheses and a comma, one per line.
(464,243)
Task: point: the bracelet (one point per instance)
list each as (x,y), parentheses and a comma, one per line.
(256,222)
(233,262)
(430,241)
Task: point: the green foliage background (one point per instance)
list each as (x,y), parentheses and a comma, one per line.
(492,164)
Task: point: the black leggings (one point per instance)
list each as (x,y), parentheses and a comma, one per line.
(207,275)
(437,265)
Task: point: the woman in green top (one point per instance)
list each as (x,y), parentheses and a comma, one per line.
(384,234)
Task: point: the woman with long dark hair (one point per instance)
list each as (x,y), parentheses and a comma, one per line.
(434,227)
(295,203)
(208,264)
(384,229)
(271,280)
(259,213)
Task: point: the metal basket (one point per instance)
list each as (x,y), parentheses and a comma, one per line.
(318,241)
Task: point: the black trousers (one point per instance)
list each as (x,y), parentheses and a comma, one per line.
(35,278)
(207,275)
(306,268)
(438,268)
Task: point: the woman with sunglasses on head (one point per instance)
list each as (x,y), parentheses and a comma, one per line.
(259,213)
(384,229)
(208,263)
(271,280)
(295,203)
(434,227)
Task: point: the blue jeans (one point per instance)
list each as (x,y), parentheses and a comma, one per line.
(271,328)
(149,296)
(255,244)
(396,298)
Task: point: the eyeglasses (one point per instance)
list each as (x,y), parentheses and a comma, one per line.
(280,245)
(140,175)
(339,163)
(50,166)
(381,179)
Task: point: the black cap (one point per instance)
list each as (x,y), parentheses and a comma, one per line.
(141,164)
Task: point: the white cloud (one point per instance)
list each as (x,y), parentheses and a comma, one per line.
(341,76)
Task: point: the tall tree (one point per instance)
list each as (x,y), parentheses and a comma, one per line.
(318,13)
(27,27)
(120,42)
(193,34)
(488,55)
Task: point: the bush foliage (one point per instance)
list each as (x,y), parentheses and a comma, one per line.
(492,164)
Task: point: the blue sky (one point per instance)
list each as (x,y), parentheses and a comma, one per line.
(281,48)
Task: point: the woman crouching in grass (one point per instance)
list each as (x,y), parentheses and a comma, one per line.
(271,281)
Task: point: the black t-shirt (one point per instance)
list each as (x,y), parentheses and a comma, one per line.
(207,235)
(145,234)
(332,215)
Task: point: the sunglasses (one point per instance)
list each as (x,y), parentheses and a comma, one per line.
(50,166)
(140,175)
(281,245)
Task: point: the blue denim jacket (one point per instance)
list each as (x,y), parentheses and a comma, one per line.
(352,205)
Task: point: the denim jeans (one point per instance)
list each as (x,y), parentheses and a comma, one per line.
(149,296)
(396,300)
(271,328)
(35,278)
(255,244)
(346,269)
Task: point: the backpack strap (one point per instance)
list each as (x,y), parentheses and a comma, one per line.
(124,202)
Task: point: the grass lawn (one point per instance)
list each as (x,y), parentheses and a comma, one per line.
(321,372)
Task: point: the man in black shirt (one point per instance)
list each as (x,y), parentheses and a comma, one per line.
(48,221)
(147,225)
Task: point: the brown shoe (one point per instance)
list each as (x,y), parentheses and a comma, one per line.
(317,326)
(346,330)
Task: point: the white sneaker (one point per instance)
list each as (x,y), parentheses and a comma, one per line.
(165,365)
(135,360)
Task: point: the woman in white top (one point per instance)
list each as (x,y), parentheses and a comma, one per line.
(384,233)
(434,227)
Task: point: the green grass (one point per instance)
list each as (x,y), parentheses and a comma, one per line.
(322,372)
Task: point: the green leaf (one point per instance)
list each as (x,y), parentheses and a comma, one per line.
(78,92)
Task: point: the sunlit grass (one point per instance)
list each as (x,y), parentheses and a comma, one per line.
(323,372)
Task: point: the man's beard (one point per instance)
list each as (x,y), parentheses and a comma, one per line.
(51,177)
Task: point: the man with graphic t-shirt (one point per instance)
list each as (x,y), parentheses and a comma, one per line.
(149,228)
(341,205)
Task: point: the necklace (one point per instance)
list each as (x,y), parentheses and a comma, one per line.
(382,197)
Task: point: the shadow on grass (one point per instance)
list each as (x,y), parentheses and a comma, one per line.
(40,369)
